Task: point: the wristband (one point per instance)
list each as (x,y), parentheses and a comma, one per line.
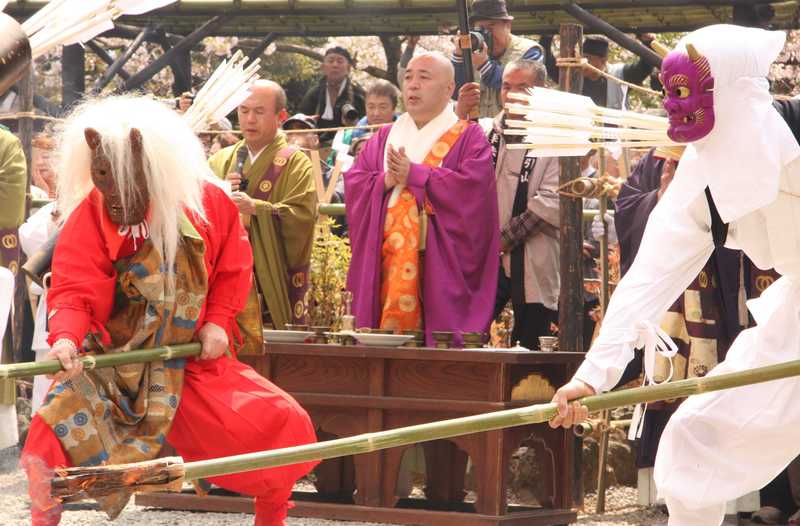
(73,347)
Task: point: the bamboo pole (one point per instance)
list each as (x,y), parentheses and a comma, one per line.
(602,450)
(82,480)
(539,413)
(98,361)
(338,209)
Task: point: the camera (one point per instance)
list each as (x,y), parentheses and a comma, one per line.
(480,36)
(349,113)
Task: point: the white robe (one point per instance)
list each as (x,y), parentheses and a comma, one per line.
(719,446)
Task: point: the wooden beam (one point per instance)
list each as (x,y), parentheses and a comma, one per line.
(119,64)
(261,47)
(180,64)
(601,26)
(73,75)
(164,60)
(131,32)
(570,309)
(104,55)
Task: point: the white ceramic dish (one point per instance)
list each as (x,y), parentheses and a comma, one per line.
(286,336)
(381,340)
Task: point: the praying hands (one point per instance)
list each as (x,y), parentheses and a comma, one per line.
(398,165)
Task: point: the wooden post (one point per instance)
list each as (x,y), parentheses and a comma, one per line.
(600,25)
(570,302)
(182,72)
(73,82)
(570,311)
(602,463)
(26,88)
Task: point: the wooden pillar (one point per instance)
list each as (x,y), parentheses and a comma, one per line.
(570,309)
(20,340)
(73,77)
(182,72)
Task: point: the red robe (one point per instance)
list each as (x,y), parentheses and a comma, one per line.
(226,408)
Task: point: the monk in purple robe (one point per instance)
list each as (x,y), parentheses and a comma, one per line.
(422,210)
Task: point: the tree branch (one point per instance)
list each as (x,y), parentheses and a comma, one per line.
(291,48)
(310,53)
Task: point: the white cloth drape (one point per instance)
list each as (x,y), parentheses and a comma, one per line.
(417,142)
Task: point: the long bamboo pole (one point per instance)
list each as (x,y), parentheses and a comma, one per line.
(98,361)
(602,450)
(338,209)
(74,483)
(539,413)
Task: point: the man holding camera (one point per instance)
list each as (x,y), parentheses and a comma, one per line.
(496,47)
(335,100)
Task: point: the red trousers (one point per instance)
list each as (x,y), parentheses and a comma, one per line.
(226,408)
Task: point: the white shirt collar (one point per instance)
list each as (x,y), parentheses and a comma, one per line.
(328,113)
(254,156)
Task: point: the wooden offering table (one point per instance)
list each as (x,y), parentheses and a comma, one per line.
(353,390)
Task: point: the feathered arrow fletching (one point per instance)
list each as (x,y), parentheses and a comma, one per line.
(560,124)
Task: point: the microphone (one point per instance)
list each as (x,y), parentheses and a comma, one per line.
(241,157)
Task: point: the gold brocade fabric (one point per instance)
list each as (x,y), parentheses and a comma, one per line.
(403,235)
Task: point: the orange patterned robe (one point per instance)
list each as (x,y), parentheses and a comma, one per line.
(401,278)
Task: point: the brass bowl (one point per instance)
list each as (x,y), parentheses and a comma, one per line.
(444,339)
(319,334)
(473,340)
(548,343)
(417,341)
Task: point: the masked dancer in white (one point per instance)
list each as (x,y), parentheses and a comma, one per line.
(738,185)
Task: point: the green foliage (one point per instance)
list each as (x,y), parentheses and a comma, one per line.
(294,72)
(330,259)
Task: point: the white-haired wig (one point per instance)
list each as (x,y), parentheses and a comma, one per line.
(174,162)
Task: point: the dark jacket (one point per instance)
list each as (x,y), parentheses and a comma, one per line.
(314,104)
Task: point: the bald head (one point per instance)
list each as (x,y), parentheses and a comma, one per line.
(428,85)
(436,62)
(270,89)
(262,113)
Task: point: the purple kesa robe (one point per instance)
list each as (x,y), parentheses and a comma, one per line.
(461,258)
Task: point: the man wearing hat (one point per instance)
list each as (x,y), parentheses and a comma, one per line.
(305,141)
(603,91)
(502,47)
(328,100)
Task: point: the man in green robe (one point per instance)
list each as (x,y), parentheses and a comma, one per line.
(273,186)
(13,181)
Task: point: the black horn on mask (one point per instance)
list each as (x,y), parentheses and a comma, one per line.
(15,52)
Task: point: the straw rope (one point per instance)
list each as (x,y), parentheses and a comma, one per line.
(36,116)
(27,115)
(584,64)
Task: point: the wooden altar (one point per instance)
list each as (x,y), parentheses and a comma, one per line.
(352,390)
